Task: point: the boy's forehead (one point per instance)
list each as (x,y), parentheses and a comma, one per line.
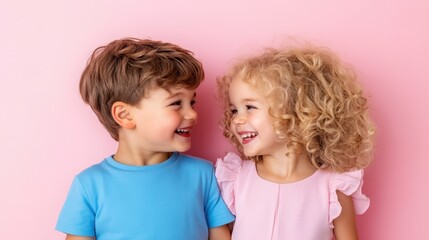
(171,92)
(182,92)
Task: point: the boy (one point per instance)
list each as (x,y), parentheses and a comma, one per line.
(143,92)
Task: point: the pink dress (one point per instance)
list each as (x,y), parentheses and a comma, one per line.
(302,210)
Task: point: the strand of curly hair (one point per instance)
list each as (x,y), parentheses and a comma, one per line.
(317,106)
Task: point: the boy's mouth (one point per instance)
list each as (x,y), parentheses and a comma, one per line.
(184,132)
(247,136)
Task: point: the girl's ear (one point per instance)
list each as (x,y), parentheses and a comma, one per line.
(121,113)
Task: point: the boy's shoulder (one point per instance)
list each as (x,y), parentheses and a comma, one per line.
(104,168)
(98,169)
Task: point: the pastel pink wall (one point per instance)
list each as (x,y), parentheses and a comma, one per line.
(47,134)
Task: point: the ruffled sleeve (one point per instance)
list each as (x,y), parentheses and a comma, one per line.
(350,184)
(227,170)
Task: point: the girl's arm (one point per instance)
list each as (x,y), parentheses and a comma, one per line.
(345,224)
(73,237)
(220,233)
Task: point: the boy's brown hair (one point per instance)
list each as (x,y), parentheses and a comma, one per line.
(127,69)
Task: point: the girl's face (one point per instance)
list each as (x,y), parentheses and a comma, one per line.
(251,123)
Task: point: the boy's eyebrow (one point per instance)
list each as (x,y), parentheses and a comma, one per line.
(178,94)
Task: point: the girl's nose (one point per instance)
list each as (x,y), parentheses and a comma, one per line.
(239,119)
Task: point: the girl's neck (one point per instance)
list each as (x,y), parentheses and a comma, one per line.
(284,169)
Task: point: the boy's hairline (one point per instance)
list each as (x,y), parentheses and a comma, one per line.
(154,88)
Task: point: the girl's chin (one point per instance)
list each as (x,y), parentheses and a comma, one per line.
(250,154)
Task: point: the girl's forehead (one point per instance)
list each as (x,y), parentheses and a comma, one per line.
(243,91)
(252,84)
(239,83)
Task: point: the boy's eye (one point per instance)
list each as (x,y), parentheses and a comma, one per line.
(179,103)
(176,103)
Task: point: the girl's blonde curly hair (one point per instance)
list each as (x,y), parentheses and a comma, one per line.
(317,106)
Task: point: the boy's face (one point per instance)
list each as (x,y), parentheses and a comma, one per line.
(164,120)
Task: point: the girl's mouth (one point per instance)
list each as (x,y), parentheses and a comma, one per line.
(247,136)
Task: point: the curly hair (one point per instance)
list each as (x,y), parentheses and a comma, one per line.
(126,69)
(317,106)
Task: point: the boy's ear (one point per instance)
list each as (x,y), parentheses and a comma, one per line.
(121,113)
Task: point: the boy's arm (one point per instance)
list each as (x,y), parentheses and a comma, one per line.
(220,233)
(73,237)
(76,218)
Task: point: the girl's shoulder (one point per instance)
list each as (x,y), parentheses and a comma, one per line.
(350,184)
(230,166)
(229,172)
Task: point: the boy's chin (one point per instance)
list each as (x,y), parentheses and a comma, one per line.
(182,148)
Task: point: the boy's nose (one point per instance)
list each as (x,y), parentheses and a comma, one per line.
(190,114)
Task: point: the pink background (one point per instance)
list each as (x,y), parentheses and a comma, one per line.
(47,134)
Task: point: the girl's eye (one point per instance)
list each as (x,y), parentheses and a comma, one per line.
(248,107)
(193,102)
(233,111)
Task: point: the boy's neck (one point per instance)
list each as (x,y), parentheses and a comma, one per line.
(133,157)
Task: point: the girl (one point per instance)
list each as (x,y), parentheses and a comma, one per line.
(302,119)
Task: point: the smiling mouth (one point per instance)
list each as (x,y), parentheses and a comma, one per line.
(184,132)
(248,136)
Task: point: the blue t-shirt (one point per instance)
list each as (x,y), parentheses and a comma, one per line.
(176,199)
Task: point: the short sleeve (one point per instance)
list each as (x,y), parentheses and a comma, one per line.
(349,183)
(227,170)
(76,217)
(217,212)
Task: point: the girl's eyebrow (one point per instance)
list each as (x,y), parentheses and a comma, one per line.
(246,100)
(249,100)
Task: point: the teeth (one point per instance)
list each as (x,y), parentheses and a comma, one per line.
(181,131)
(248,135)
